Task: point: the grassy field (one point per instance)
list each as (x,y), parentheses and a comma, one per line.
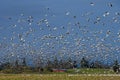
(56,77)
(71,74)
(70,71)
(90,71)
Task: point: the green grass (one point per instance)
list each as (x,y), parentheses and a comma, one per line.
(90,71)
(71,74)
(82,71)
(74,71)
(54,77)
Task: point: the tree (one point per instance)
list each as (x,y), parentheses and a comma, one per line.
(70,63)
(24,62)
(49,65)
(92,65)
(6,65)
(75,64)
(16,63)
(56,62)
(98,64)
(84,63)
(116,66)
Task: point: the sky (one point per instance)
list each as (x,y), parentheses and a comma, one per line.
(62,28)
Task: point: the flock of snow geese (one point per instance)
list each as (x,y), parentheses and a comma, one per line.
(27,36)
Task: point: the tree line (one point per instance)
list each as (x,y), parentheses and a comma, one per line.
(53,64)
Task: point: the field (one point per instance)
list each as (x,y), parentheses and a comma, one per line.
(71,74)
(90,71)
(57,77)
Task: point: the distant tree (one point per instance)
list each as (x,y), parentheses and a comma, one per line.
(24,62)
(92,65)
(70,63)
(65,64)
(6,65)
(49,66)
(55,63)
(61,64)
(98,64)
(116,66)
(75,64)
(84,63)
(16,63)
